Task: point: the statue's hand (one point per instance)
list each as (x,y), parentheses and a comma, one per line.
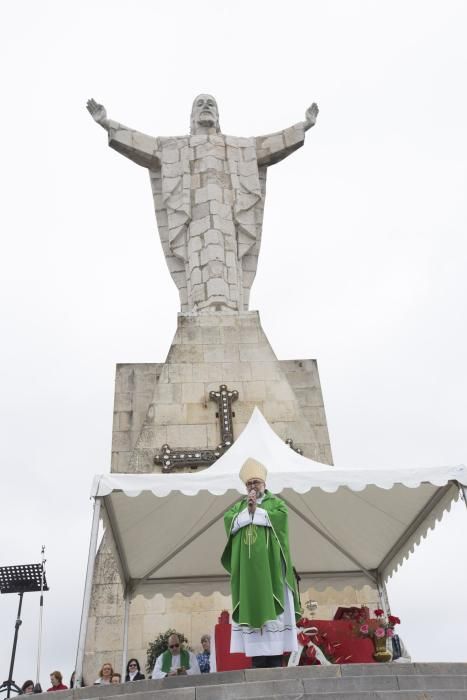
(97,112)
(311,115)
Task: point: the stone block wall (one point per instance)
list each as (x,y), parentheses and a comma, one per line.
(134,388)
(158,403)
(168,403)
(104,638)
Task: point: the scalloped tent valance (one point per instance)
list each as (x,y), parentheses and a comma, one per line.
(346,525)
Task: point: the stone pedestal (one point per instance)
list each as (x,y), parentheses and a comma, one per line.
(169,403)
(157,404)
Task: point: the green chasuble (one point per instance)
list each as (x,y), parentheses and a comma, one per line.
(167,660)
(258,560)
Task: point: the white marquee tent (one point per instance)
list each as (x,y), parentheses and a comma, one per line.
(347,526)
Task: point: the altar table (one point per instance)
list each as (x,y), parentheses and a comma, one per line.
(347,647)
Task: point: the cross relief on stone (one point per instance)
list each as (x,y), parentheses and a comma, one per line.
(173,458)
(194,457)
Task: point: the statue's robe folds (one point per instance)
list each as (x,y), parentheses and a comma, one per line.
(265,601)
(209,193)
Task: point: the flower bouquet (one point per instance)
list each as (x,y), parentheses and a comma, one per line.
(380,630)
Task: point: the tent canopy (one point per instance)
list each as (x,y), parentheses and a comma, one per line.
(347,526)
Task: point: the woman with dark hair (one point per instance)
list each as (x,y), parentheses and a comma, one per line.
(133,671)
(27,687)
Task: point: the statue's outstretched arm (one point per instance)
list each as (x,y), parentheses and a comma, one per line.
(272,148)
(311,115)
(140,148)
(98,113)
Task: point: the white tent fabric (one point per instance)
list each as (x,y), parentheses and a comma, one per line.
(347,526)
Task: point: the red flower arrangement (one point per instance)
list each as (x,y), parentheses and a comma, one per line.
(380,627)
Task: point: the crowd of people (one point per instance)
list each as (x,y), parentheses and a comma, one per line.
(56,680)
(173,662)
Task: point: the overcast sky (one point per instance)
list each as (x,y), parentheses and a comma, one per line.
(363,262)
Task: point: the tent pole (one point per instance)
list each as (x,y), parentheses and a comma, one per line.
(383,595)
(126,618)
(87,592)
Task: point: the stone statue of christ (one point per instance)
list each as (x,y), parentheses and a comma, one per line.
(209,191)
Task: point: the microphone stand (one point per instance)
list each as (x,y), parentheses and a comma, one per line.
(41,612)
(10,684)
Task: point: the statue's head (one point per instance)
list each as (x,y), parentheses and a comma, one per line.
(204,114)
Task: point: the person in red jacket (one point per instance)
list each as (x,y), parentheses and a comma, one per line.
(56,680)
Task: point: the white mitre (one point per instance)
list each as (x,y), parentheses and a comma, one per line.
(253,470)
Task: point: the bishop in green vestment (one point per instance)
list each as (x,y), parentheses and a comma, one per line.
(265,599)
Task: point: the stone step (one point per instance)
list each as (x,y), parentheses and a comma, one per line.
(375,695)
(390,682)
(386,695)
(94,692)
(429,668)
(351,687)
(193,693)
(397,669)
(293,689)
(427,681)
(248,675)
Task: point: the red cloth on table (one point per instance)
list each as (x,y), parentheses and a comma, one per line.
(351,649)
(342,633)
(224,659)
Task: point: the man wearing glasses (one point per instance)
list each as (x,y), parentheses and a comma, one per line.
(265,601)
(175,661)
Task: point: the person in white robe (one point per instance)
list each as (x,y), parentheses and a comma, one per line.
(175,661)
